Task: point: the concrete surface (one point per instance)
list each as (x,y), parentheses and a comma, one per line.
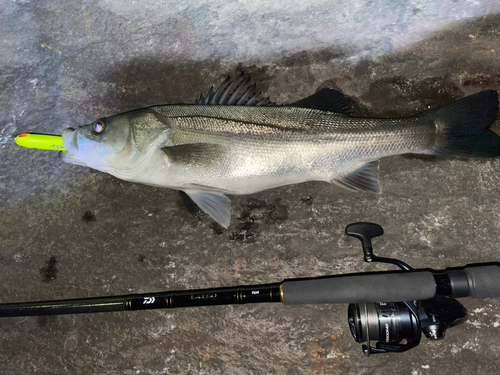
(69,232)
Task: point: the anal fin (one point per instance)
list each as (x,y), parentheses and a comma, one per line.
(362,179)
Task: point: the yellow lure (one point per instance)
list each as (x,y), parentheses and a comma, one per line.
(41,141)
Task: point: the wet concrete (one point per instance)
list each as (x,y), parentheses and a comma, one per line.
(69,232)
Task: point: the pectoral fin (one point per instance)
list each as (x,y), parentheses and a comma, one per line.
(364,179)
(215,204)
(194,154)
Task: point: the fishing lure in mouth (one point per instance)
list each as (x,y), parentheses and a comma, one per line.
(41,141)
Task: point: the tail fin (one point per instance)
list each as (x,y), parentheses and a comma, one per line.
(462,127)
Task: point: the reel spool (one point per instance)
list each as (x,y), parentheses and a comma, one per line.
(397,326)
(393,325)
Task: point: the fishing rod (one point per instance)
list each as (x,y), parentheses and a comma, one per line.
(415,301)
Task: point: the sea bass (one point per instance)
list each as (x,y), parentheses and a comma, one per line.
(234,141)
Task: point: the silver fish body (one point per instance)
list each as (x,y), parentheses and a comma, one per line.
(209,151)
(243,150)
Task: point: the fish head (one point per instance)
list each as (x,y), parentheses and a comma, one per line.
(103,145)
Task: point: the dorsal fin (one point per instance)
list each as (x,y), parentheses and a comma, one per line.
(237,92)
(328,100)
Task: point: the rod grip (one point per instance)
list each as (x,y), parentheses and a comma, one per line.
(384,287)
(484,281)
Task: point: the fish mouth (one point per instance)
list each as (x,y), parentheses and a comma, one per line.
(70,143)
(69,136)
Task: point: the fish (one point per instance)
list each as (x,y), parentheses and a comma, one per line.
(233,141)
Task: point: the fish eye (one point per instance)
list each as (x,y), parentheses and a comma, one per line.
(98,127)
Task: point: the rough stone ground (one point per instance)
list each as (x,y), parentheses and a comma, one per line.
(69,232)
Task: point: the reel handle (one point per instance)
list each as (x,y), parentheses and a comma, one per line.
(365,232)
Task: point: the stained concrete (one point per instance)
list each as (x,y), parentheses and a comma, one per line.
(69,232)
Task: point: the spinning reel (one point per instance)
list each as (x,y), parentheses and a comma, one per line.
(397,326)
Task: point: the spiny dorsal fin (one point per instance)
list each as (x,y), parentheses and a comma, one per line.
(328,100)
(237,92)
(364,179)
